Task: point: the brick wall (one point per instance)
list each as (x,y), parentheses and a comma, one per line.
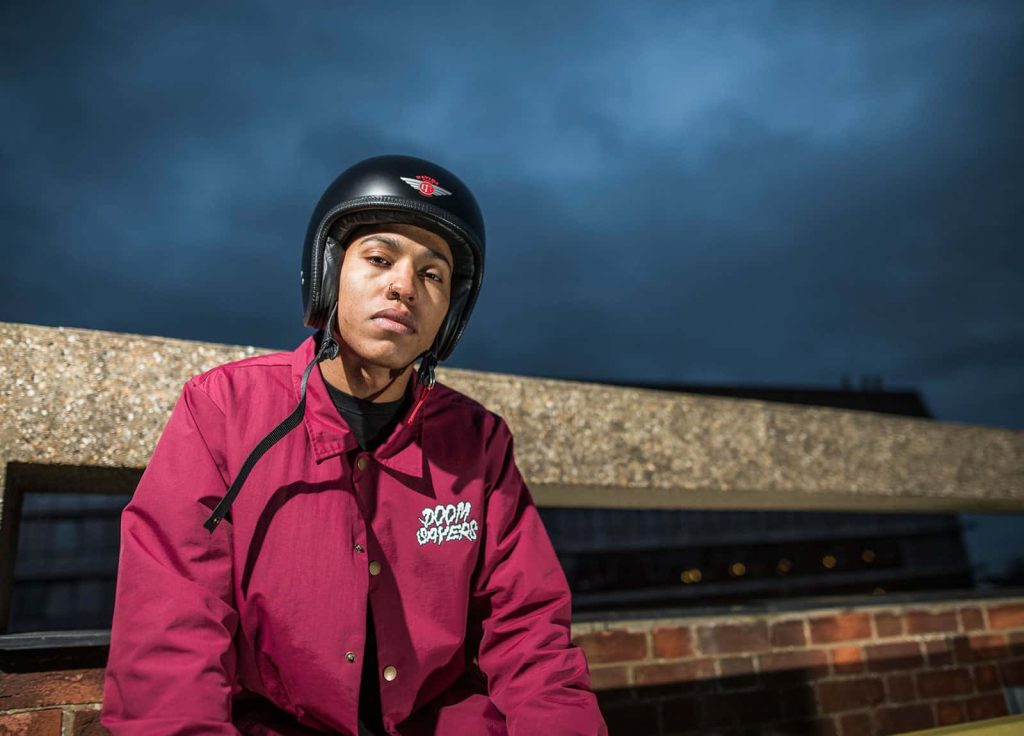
(55,703)
(872,670)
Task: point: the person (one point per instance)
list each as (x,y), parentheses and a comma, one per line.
(371,560)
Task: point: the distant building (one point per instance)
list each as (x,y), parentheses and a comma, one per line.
(627,559)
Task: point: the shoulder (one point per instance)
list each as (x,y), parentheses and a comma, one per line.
(240,380)
(446,400)
(465,416)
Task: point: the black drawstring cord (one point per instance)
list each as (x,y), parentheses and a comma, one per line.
(426,371)
(328,350)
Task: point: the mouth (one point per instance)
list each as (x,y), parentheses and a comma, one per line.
(391,320)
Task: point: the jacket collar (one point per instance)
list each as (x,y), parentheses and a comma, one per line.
(328,433)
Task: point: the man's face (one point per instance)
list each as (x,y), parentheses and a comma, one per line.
(393,293)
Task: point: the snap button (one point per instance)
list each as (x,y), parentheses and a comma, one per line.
(390,673)
(359,548)
(375,568)
(361,462)
(350,656)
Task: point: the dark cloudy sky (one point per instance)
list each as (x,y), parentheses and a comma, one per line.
(766,193)
(771,193)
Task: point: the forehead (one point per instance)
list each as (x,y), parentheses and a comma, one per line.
(405,235)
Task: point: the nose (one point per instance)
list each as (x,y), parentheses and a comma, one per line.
(403,285)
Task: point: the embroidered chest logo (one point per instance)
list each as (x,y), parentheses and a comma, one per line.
(447,523)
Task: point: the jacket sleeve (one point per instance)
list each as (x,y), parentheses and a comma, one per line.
(536,677)
(172,664)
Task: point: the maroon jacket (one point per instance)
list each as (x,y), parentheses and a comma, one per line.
(436,527)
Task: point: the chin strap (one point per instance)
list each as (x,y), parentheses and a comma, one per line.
(426,382)
(328,350)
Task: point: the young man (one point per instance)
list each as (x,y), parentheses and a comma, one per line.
(375,565)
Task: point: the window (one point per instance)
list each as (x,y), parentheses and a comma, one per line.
(59,538)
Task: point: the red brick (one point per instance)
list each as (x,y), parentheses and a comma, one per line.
(678,715)
(900,689)
(835,697)
(638,718)
(803,726)
(658,674)
(896,656)
(1006,617)
(939,652)
(986,706)
(802,662)
(613,646)
(926,622)
(971,619)
(986,677)
(730,666)
(60,687)
(843,627)
(739,709)
(788,634)
(733,638)
(812,727)
(87,723)
(980,647)
(798,701)
(737,673)
(847,660)
(856,724)
(34,723)
(944,683)
(902,718)
(676,641)
(946,714)
(888,624)
(609,678)
(1012,673)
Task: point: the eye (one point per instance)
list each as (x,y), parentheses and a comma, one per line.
(378,260)
(434,276)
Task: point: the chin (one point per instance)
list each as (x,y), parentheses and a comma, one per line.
(387,355)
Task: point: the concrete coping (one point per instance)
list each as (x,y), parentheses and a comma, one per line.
(73,397)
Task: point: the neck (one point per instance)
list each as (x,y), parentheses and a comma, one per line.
(356,377)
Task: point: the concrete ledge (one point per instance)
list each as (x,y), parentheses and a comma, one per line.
(84,397)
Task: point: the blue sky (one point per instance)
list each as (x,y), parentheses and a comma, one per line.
(770,193)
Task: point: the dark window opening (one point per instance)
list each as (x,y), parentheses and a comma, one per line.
(619,560)
(59,543)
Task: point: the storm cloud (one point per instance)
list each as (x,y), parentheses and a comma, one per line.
(718,193)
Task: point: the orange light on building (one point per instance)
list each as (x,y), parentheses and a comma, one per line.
(737,569)
(868,556)
(828,562)
(783,566)
(693,575)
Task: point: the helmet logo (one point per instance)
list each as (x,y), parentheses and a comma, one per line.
(426,185)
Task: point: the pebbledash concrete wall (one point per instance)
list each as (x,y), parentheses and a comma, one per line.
(77,398)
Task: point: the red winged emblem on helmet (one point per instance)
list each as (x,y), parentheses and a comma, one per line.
(426,185)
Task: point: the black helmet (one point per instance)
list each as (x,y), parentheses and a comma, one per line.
(400,190)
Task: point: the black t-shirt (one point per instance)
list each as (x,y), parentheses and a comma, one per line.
(371,423)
